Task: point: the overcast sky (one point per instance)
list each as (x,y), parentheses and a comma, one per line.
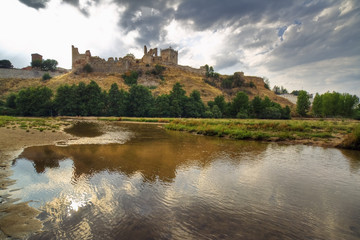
(304,44)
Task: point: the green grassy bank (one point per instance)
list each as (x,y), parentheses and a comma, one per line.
(317,132)
(27,124)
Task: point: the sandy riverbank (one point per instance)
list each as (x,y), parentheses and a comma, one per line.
(17,220)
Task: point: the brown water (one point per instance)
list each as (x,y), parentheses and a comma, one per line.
(170,185)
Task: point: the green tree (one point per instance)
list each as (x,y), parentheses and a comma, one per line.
(114,100)
(49,65)
(350,102)
(240,105)
(95,103)
(162,106)
(81,99)
(65,101)
(257,106)
(216,112)
(130,78)
(317,106)
(285,113)
(302,103)
(266,83)
(34,101)
(221,103)
(11,101)
(46,76)
(5,64)
(36,64)
(194,106)
(178,100)
(140,101)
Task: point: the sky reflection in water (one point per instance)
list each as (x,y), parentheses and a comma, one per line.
(166,185)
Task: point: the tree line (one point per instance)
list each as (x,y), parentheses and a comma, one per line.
(328,105)
(90,100)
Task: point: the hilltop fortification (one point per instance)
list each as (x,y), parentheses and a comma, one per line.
(168,57)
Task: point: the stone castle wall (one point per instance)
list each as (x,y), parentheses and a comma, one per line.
(120,65)
(24,74)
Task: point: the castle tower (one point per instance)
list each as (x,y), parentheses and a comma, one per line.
(169,55)
(36,57)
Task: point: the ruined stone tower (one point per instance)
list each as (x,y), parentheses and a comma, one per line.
(36,57)
(169,55)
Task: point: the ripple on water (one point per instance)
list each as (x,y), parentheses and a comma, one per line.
(178,186)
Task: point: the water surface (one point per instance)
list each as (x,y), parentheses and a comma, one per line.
(170,185)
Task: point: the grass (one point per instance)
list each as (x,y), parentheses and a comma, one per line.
(281,130)
(135,119)
(27,124)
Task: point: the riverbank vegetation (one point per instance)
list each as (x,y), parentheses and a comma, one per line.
(317,132)
(90,100)
(27,124)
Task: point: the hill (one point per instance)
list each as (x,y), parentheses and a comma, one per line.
(159,83)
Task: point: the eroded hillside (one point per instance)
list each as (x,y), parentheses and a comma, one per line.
(159,84)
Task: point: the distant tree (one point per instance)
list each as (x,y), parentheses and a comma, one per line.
(162,106)
(178,100)
(350,102)
(303,103)
(36,64)
(140,101)
(285,112)
(221,103)
(46,76)
(81,99)
(238,79)
(207,70)
(114,100)
(216,112)
(95,103)
(317,106)
(130,78)
(65,101)
(276,90)
(295,92)
(158,69)
(240,105)
(194,106)
(266,83)
(257,107)
(34,101)
(283,90)
(49,65)
(11,101)
(227,83)
(5,64)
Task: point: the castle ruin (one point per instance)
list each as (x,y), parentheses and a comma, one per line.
(168,57)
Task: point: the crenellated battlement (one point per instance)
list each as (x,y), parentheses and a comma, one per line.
(168,57)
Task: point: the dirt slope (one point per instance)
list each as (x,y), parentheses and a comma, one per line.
(190,81)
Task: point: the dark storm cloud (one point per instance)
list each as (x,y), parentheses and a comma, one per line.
(332,35)
(147,17)
(37,4)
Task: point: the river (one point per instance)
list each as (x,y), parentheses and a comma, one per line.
(156,184)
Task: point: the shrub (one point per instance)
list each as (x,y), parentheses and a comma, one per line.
(130,78)
(46,76)
(5,64)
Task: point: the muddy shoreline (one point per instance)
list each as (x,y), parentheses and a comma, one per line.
(18,220)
